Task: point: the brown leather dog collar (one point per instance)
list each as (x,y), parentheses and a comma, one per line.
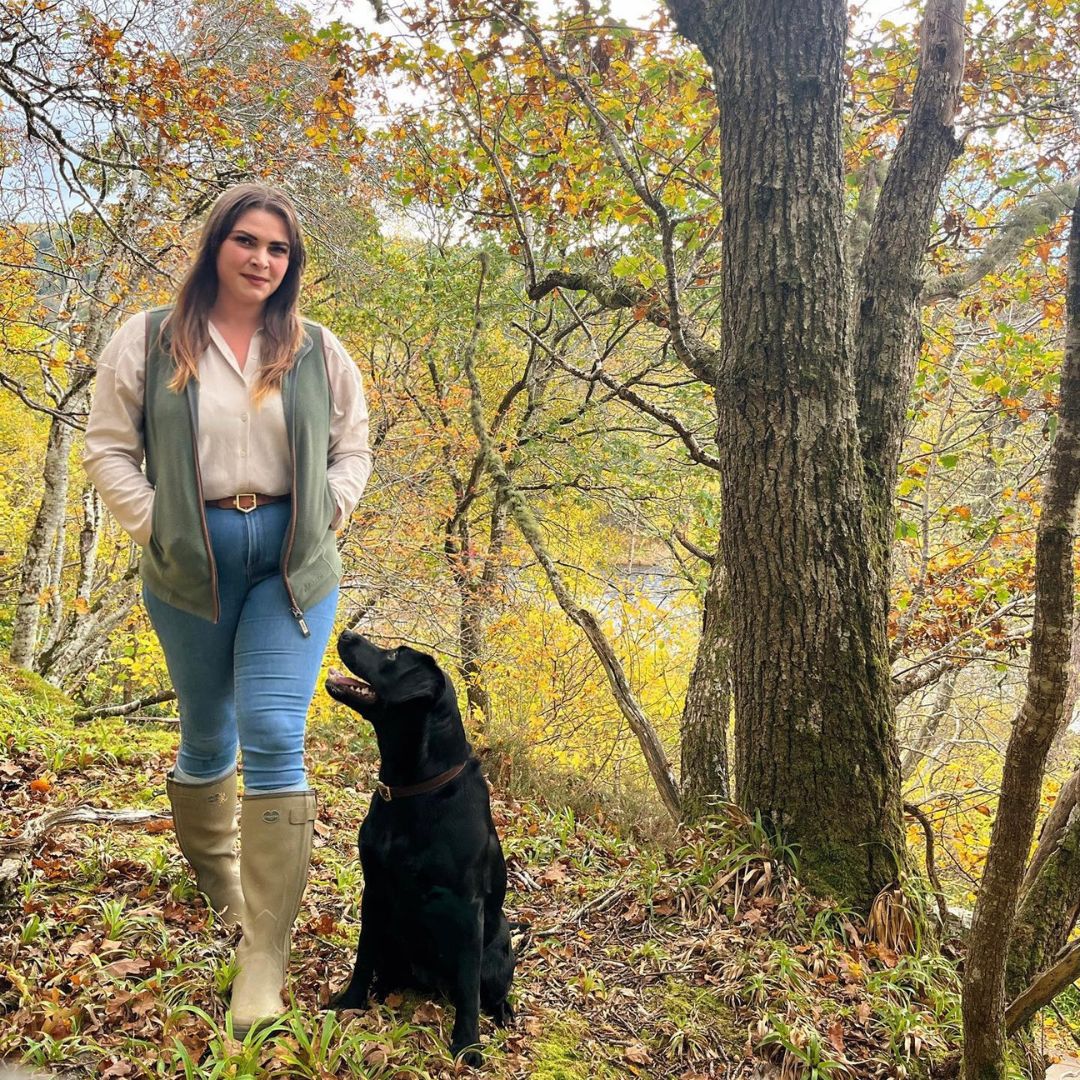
(388,793)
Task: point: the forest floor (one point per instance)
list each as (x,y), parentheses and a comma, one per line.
(695,957)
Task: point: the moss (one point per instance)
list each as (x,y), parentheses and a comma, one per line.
(693,1021)
(32,691)
(561,1054)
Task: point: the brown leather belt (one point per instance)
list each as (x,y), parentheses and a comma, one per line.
(250,500)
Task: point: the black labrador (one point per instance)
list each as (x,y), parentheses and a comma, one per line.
(431,915)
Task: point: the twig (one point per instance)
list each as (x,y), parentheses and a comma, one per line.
(690,546)
(931,872)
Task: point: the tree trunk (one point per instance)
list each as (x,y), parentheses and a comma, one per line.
(1053,828)
(708,705)
(1047,911)
(928,730)
(889,279)
(48,528)
(1036,723)
(815,749)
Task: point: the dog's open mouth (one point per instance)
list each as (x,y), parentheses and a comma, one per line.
(346,686)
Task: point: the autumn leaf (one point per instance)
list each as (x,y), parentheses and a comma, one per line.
(553,875)
(122,968)
(836,1036)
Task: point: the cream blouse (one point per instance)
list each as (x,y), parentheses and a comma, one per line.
(243,446)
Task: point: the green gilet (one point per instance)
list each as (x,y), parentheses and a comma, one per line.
(178,565)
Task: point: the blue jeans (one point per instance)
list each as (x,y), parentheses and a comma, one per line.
(247,679)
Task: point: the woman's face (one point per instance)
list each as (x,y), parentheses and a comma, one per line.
(253,259)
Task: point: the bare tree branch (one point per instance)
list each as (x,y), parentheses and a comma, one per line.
(624,393)
(652,748)
(1032,214)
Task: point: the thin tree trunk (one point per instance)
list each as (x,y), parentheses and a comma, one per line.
(708,705)
(48,526)
(889,280)
(1036,723)
(55,606)
(1053,828)
(928,730)
(89,538)
(1047,910)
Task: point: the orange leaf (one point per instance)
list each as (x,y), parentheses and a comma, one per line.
(41,784)
(836,1036)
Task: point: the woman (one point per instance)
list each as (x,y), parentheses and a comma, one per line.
(253,427)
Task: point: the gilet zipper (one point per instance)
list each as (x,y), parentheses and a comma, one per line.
(202,508)
(298,615)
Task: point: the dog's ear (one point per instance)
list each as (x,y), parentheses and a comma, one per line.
(424,685)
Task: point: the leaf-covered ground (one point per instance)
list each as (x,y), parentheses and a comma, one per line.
(698,957)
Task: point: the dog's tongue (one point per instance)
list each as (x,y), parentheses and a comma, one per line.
(346,680)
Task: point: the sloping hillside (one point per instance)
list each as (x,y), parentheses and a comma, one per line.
(699,958)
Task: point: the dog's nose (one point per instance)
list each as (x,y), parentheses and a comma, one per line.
(347,636)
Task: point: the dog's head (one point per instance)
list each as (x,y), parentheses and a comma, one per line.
(384,681)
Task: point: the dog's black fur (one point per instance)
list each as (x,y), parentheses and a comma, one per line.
(434,875)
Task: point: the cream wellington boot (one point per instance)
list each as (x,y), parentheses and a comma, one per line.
(275,851)
(204,817)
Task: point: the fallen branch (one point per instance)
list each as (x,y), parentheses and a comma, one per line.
(36,830)
(124,710)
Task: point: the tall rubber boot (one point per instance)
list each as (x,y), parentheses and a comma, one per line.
(204,817)
(275,853)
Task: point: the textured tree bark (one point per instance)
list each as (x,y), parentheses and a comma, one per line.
(889,279)
(815,750)
(704,774)
(1036,723)
(1053,828)
(476,584)
(1047,911)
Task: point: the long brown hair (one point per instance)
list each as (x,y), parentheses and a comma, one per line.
(186,331)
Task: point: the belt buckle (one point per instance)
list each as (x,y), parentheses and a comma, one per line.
(246,495)
(384,791)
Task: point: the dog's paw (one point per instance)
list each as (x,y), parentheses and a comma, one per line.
(503,1014)
(348,999)
(468,1053)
